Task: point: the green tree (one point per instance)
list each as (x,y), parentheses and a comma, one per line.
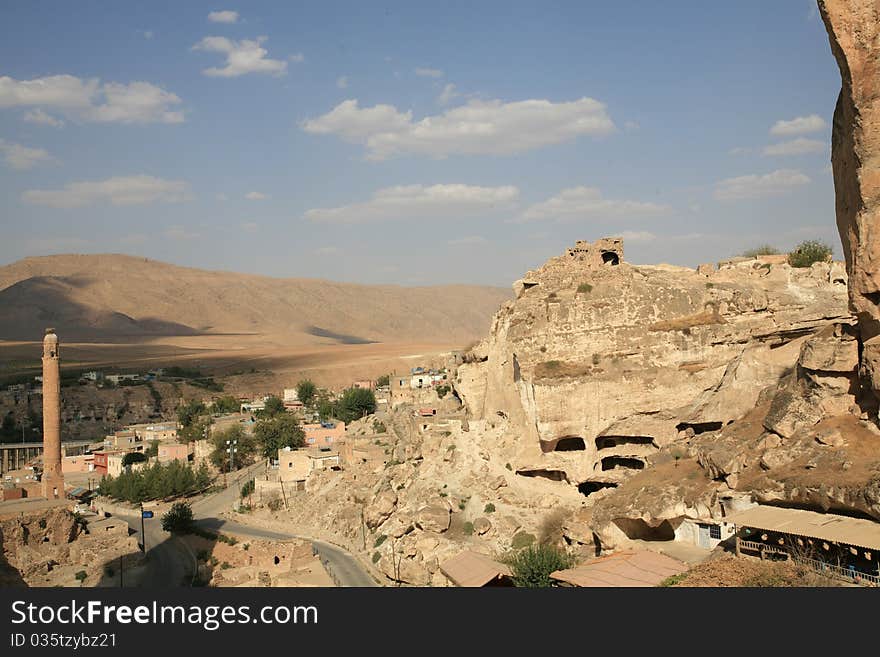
(532,566)
(808,252)
(199,429)
(153,449)
(355,403)
(133,457)
(178,519)
(277,433)
(383,380)
(305,391)
(245,448)
(325,406)
(188,413)
(274,406)
(226,404)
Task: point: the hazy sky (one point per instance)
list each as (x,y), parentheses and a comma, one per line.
(412,142)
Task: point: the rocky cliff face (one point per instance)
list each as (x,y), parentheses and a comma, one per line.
(854,32)
(600,364)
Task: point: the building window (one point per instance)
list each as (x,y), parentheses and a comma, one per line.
(715,531)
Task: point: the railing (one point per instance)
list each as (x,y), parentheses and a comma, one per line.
(760,547)
(839,571)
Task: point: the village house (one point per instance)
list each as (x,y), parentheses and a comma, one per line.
(324,434)
(101,460)
(173,452)
(365,385)
(161,431)
(295,465)
(78,463)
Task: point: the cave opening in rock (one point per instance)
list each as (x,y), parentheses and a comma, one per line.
(614,462)
(564,444)
(552,475)
(699,427)
(638,529)
(610,258)
(606,442)
(587,488)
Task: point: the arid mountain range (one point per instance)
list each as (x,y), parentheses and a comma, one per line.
(118,297)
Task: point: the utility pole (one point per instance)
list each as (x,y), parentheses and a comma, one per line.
(231,449)
(143,533)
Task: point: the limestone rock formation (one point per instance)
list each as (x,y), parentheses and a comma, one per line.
(597,364)
(854,32)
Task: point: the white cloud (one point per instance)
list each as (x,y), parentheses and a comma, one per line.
(225,16)
(479,127)
(147,34)
(758,186)
(40,117)
(23,158)
(180,233)
(448,94)
(800,125)
(416,202)
(124,190)
(470,240)
(587,203)
(637,236)
(739,150)
(297,58)
(90,100)
(342,82)
(799,146)
(255,196)
(242,57)
(429,72)
(250,226)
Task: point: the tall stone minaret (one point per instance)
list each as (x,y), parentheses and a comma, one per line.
(53,479)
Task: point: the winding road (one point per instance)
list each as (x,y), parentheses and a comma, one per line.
(171,563)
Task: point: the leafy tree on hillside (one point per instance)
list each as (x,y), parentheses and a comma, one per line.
(809,252)
(274,406)
(305,391)
(325,406)
(383,380)
(245,447)
(355,403)
(226,404)
(277,433)
(190,411)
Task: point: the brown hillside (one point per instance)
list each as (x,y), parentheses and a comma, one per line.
(107,297)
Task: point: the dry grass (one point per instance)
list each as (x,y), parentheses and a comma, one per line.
(730,571)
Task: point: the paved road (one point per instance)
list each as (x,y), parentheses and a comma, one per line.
(171,563)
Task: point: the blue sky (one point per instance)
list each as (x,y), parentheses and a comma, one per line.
(395,143)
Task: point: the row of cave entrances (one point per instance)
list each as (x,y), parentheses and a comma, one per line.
(577,444)
(586,488)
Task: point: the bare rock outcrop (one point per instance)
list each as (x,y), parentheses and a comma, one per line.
(854,33)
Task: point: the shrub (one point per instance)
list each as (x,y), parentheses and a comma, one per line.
(763,249)
(178,519)
(809,252)
(275,504)
(202,555)
(379,540)
(468,528)
(376,557)
(108,571)
(442,391)
(80,576)
(248,488)
(673,580)
(522,540)
(532,566)
(508,466)
(379,427)
(584,288)
(383,381)
(489,508)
